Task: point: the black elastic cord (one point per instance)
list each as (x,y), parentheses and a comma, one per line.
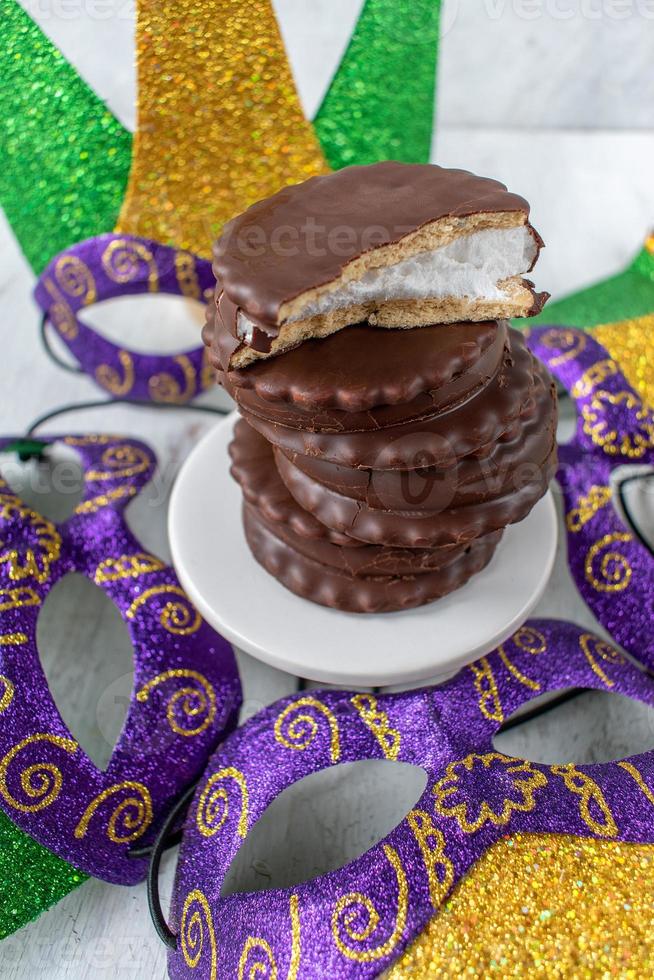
(50,351)
(137,853)
(164,839)
(108,402)
(635,478)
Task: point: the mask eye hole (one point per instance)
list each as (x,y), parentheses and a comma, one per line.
(323,822)
(567,424)
(591,727)
(162,323)
(52,485)
(633,495)
(86,654)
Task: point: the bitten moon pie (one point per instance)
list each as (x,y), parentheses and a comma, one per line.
(394,245)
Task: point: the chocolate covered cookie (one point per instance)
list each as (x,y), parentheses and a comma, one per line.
(392,244)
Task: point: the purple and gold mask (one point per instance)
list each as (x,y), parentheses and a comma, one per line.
(437,897)
(613,570)
(186,690)
(120,265)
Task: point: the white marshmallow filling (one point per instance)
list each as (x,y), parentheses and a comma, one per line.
(470,267)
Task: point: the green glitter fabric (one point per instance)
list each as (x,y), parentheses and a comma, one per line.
(380,104)
(64,158)
(32,878)
(627,295)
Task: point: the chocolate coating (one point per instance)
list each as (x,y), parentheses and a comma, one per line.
(254,470)
(375,594)
(359,369)
(438,441)
(471,480)
(305,235)
(368,560)
(462,384)
(414,529)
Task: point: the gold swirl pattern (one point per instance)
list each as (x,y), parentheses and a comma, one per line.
(265,965)
(296,938)
(638,779)
(347,918)
(194,702)
(490,704)
(94,439)
(18,597)
(111,380)
(529,640)
(129,820)
(60,313)
(120,462)
(595,375)
(593,648)
(431,841)
(192,932)
(302,729)
(615,570)
(213,805)
(574,340)
(41,781)
(8,693)
(633,444)
(35,561)
(187,277)
(261,965)
(164,387)
(127,566)
(587,506)
(95,504)
(179,618)
(75,278)
(13,639)
(121,262)
(377,721)
(458,794)
(579,783)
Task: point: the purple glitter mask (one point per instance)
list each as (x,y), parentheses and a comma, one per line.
(613,570)
(186,690)
(119,265)
(356,921)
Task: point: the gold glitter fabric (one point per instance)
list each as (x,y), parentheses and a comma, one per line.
(631,344)
(544,906)
(219,123)
(627,294)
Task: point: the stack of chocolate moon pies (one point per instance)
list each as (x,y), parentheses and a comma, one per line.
(393,424)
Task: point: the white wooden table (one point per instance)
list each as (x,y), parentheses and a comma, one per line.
(593,201)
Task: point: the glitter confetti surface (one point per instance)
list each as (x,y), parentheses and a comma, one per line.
(575,908)
(32,878)
(631,344)
(219,122)
(380,104)
(627,295)
(64,158)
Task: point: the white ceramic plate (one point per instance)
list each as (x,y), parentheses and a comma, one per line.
(258,615)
